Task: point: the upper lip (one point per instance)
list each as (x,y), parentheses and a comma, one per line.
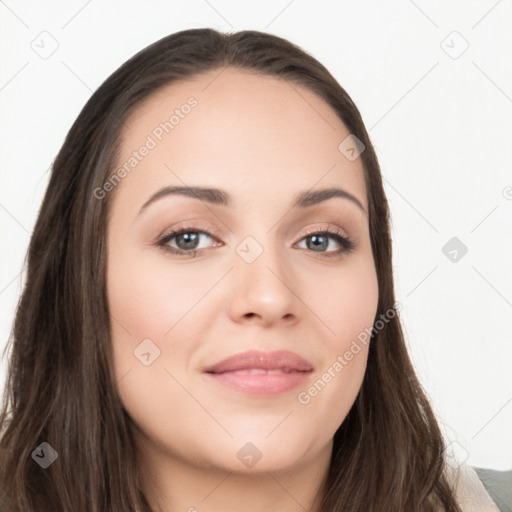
(278,360)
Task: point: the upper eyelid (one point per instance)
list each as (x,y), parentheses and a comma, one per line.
(320,226)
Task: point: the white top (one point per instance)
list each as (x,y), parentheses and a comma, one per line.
(470,492)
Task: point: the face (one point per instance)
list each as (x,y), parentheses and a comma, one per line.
(291,285)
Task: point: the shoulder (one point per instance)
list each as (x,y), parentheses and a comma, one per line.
(499,486)
(473,490)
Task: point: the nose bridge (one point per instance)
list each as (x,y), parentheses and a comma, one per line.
(257,252)
(261,277)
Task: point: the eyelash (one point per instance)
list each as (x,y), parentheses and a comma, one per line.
(347,244)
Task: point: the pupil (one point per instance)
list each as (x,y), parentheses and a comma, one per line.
(314,240)
(189,239)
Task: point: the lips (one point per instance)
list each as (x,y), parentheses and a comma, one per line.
(261,374)
(255,362)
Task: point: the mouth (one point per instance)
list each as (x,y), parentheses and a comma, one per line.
(261,373)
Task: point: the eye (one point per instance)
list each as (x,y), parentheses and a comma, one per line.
(320,240)
(187,240)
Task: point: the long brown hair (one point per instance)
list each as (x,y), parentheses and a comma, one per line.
(388,452)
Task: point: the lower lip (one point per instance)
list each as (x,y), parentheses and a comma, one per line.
(261,384)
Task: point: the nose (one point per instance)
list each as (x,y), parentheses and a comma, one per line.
(264,290)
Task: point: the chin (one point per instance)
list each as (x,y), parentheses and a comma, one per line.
(260,454)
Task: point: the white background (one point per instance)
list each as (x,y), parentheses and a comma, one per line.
(441,126)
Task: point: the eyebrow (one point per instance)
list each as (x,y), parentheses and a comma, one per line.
(221,197)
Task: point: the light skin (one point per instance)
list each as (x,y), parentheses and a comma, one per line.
(263,142)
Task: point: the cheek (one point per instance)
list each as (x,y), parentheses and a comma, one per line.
(147,298)
(143,306)
(332,395)
(347,307)
(346,303)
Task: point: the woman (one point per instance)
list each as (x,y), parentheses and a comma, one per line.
(262,369)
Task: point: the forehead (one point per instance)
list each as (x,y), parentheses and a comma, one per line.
(245,131)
